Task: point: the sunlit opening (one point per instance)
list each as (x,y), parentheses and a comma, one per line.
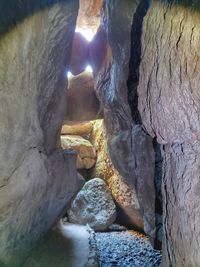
(89,69)
(86,32)
(69,74)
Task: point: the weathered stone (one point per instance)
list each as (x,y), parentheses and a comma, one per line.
(82,129)
(124,195)
(169,104)
(83,104)
(37,180)
(93,205)
(80,54)
(86,157)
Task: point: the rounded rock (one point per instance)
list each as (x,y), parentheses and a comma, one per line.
(93,205)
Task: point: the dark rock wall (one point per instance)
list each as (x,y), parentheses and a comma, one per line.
(132,85)
(169,105)
(130,148)
(36,178)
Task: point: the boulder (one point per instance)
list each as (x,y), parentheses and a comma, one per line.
(83,104)
(86,154)
(123,193)
(82,128)
(93,205)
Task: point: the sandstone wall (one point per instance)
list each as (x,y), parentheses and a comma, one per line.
(36,178)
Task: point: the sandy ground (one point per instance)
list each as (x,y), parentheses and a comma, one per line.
(65,246)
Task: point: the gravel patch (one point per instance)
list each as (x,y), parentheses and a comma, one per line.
(126,249)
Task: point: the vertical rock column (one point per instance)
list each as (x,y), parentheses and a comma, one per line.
(36,178)
(130,148)
(169,104)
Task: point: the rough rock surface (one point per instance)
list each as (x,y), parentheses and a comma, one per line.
(124,195)
(93,205)
(37,180)
(83,103)
(86,154)
(97,50)
(169,104)
(130,148)
(126,249)
(89,15)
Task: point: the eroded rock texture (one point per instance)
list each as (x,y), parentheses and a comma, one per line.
(169,104)
(93,205)
(36,178)
(128,209)
(130,148)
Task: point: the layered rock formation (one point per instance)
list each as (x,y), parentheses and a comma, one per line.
(37,179)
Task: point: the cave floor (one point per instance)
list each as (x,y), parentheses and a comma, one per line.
(69,245)
(126,249)
(65,246)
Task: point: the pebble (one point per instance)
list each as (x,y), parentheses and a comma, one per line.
(126,249)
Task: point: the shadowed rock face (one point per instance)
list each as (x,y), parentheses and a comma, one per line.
(169,104)
(37,180)
(80,54)
(130,148)
(98,50)
(124,195)
(83,104)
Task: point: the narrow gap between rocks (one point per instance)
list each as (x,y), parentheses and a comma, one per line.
(102,225)
(105,203)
